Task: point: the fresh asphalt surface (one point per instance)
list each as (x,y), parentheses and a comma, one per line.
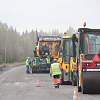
(15,84)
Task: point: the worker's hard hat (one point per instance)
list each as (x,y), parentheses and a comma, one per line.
(55,60)
(28,57)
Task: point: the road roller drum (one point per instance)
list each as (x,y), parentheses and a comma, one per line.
(91,82)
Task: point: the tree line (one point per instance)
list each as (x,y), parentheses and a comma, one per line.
(16,47)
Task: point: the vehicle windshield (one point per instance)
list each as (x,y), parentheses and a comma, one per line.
(54,47)
(92,43)
(66,50)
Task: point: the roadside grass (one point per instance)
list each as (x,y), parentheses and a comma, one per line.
(9,64)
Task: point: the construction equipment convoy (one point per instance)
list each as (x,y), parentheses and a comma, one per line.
(68,59)
(88,61)
(47,45)
(79,56)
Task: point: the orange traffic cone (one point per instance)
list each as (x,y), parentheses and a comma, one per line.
(75,95)
(38,85)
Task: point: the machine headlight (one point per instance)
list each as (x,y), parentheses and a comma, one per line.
(87,64)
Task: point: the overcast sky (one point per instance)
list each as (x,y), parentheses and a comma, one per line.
(50,14)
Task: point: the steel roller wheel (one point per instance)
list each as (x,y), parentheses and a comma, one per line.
(91,82)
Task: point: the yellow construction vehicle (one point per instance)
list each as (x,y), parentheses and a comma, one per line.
(88,60)
(48,45)
(68,59)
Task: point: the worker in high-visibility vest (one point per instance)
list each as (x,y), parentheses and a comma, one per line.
(48,62)
(55,72)
(27,65)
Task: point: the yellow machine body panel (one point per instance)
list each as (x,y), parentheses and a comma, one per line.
(65,67)
(72,64)
(65,37)
(60,60)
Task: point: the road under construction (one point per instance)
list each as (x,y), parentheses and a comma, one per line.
(80,58)
(15,84)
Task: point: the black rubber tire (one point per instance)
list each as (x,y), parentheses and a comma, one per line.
(82,88)
(61,81)
(32,71)
(79,88)
(74,79)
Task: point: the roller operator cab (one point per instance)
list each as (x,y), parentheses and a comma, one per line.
(88,61)
(69,49)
